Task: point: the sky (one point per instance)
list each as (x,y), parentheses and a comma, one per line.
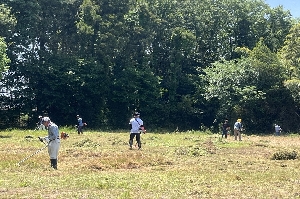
(292,5)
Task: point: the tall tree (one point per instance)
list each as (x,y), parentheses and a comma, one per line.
(278,25)
(7,23)
(7,20)
(4,60)
(290,53)
(267,66)
(43,31)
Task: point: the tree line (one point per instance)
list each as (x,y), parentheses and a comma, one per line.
(185,64)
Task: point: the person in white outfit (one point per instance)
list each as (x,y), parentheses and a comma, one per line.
(137,125)
(53,140)
(40,125)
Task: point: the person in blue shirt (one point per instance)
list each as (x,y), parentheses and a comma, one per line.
(277,130)
(39,124)
(80,125)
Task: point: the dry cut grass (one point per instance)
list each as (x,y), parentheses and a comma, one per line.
(182,165)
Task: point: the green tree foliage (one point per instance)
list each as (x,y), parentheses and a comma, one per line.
(268,67)
(233,83)
(4,60)
(43,31)
(278,24)
(7,23)
(7,20)
(251,88)
(290,57)
(290,53)
(294,87)
(270,76)
(103,59)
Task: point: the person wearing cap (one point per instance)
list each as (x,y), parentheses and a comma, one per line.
(225,128)
(53,140)
(80,125)
(238,127)
(277,130)
(40,125)
(137,125)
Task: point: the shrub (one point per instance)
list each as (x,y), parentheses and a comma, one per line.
(285,155)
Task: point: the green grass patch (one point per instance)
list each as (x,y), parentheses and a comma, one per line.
(170,165)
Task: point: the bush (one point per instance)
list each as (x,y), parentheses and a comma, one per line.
(285,155)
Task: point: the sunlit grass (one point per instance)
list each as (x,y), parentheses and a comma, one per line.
(170,165)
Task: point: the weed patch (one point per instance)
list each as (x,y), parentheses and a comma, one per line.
(285,155)
(86,143)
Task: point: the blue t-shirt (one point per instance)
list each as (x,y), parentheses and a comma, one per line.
(80,122)
(277,128)
(238,126)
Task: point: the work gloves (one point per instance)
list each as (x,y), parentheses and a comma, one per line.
(44,139)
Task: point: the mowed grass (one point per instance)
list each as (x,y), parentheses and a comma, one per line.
(170,165)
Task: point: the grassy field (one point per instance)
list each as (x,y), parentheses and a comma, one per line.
(169,166)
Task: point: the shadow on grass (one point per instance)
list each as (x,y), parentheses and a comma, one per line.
(5,136)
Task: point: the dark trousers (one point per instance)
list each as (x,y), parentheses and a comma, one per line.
(79,129)
(137,137)
(224,133)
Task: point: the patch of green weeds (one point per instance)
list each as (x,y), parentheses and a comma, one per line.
(24,184)
(125,195)
(284,155)
(86,143)
(194,151)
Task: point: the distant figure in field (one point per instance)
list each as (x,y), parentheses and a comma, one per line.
(225,128)
(237,129)
(277,130)
(40,125)
(137,126)
(80,125)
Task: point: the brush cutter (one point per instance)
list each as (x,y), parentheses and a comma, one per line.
(46,145)
(64,135)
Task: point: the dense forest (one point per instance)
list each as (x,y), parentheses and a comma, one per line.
(183,64)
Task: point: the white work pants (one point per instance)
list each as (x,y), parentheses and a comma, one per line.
(53,148)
